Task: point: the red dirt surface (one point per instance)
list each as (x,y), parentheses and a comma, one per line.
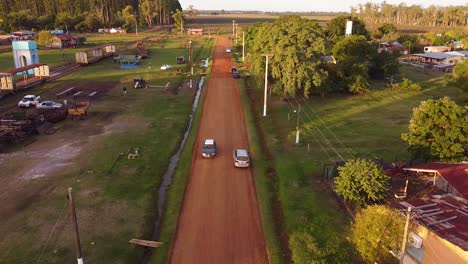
(220,219)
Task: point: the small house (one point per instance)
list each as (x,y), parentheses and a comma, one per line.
(195,31)
(64,41)
(392,47)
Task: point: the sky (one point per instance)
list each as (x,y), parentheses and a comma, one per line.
(301,5)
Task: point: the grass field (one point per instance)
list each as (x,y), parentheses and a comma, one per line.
(362,126)
(117,204)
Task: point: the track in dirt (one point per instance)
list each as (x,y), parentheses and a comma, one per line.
(220,220)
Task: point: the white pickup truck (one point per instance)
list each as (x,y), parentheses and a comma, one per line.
(29,100)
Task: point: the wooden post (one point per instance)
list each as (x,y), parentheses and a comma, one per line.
(79,255)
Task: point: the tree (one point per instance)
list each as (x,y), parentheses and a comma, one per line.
(441,127)
(352,57)
(64,19)
(191,11)
(377,230)
(179,19)
(460,75)
(44,38)
(361,181)
(128,16)
(297,45)
(149,10)
(337,27)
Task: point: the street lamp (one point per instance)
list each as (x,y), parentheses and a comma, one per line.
(266,83)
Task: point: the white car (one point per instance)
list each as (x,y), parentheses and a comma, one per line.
(49,105)
(241,158)
(165,67)
(29,100)
(228,50)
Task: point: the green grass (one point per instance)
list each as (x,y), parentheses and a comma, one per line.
(263,183)
(370,126)
(113,205)
(175,194)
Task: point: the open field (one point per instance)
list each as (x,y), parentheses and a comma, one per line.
(115,203)
(362,126)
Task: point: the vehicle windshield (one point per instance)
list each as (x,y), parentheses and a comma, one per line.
(25,99)
(209,146)
(242,158)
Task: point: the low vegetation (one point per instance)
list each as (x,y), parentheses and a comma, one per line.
(361,181)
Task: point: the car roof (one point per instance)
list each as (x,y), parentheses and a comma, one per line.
(29,95)
(242,152)
(209,141)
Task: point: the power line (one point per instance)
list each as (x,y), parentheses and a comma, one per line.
(313,135)
(323,136)
(329,130)
(51,233)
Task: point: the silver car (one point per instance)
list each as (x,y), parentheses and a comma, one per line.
(49,105)
(241,158)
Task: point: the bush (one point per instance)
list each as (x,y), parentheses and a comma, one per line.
(405,85)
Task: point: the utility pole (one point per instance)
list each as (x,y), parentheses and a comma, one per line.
(191,63)
(233,27)
(266,83)
(136,24)
(297,125)
(71,203)
(403,244)
(243,46)
(236,33)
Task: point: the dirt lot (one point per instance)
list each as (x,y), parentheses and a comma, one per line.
(220,221)
(29,168)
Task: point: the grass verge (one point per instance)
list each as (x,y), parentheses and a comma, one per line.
(263,182)
(175,194)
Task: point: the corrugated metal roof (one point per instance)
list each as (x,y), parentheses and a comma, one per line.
(455,174)
(436,55)
(458,53)
(444,215)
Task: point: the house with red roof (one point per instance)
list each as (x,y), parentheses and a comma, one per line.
(439,232)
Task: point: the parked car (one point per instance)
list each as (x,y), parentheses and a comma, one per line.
(209,148)
(228,50)
(236,74)
(241,158)
(29,100)
(166,67)
(49,105)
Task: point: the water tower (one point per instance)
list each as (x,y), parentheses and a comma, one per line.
(25,53)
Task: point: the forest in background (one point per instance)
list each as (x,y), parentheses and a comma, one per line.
(414,15)
(84,15)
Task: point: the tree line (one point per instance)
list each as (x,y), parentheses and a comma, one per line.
(84,15)
(414,15)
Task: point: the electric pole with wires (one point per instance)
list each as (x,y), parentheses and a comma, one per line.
(71,203)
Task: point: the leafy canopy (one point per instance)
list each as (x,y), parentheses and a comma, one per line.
(377,230)
(441,127)
(361,181)
(44,38)
(298,46)
(337,28)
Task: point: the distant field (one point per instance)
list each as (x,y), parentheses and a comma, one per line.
(244,19)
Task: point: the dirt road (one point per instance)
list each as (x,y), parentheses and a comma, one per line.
(220,220)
